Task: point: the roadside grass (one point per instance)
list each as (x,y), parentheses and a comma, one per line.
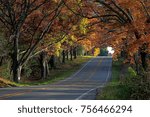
(6,83)
(4,77)
(126,84)
(114,89)
(4,71)
(64,71)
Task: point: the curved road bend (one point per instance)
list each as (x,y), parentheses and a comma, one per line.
(80,86)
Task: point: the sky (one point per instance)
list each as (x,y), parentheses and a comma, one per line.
(110,50)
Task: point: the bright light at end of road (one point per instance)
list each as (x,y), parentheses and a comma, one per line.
(110,50)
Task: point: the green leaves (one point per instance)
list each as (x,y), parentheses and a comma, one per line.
(83,26)
(132,72)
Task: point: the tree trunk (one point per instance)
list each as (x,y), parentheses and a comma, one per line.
(43,73)
(136,60)
(43,65)
(63,56)
(124,54)
(52,62)
(75,53)
(142,50)
(15,74)
(71,54)
(143,60)
(15,57)
(67,55)
(19,72)
(1,61)
(47,69)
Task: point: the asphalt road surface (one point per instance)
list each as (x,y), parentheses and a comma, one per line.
(83,85)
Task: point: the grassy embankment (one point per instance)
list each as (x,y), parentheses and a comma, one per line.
(113,90)
(64,71)
(126,84)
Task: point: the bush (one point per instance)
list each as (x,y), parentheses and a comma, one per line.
(27,71)
(138,87)
(131,86)
(132,72)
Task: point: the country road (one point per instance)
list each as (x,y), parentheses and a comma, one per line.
(82,85)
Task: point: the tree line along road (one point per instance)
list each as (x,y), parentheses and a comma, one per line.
(82,85)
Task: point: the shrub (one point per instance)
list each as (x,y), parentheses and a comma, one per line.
(27,71)
(132,72)
(138,87)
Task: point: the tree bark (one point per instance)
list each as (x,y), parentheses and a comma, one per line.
(71,54)
(63,56)
(15,74)
(52,62)
(142,51)
(19,72)
(1,61)
(75,52)
(136,60)
(67,55)
(143,60)
(43,65)
(15,57)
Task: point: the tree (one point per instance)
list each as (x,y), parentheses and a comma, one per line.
(14,16)
(127,20)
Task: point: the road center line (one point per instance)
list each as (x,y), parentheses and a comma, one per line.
(13,94)
(77,71)
(90,76)
(86,93)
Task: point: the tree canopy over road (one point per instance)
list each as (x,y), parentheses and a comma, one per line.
(47,33)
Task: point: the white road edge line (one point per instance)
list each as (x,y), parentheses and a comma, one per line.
(57,82)
(108,72)
(81,68)
(84,94)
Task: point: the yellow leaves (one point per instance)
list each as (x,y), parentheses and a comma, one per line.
(57,49)
(83,25)
(58,45)
(84,21)
(78,1)
(73,38)
(74,27)
(96,51)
